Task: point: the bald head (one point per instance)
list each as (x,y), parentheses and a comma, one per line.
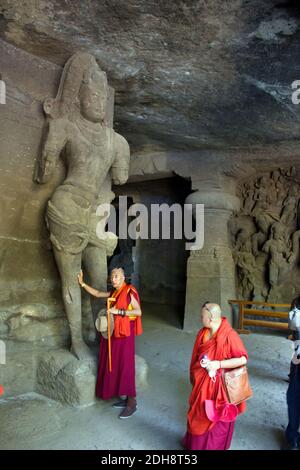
(214,310)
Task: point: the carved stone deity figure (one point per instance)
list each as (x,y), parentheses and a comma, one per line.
(290,206)
(248,195)
(280,185)
(248,270)
(245,262)
(264,212)
(280,255)
(94,156)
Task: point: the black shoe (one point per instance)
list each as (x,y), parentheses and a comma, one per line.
(291,446)
(120,404)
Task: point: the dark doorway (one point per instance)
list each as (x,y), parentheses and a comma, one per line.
(158,265)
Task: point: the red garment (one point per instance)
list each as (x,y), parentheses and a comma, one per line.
(224,344)
(123,299)
(218,438)
(121,380)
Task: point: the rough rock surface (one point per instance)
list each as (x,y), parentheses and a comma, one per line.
(65,379)
(184,71)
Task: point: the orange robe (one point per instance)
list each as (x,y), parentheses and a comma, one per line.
(224,344)
(123,299)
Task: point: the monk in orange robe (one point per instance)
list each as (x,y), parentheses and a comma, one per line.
(210,419)
(120,381)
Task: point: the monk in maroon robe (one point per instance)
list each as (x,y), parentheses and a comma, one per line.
(210,419)
(120,381)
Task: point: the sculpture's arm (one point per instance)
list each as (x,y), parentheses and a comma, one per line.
(120,166)
(266,247)
(54,144)
(288,253)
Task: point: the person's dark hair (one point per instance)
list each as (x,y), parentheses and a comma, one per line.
(205,303)
(296,303)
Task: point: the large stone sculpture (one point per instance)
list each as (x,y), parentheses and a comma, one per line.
(95,156)
(266,236)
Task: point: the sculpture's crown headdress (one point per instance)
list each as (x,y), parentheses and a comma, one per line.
(76,71)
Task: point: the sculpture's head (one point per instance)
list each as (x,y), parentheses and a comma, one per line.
(263,182)
(243,235)
(83,89)
(276,175)
(93,94)
(277,230)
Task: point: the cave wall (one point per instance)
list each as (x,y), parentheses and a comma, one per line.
(29,283)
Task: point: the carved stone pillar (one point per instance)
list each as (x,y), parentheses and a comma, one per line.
(210,271)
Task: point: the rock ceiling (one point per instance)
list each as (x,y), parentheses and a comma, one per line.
(187,74)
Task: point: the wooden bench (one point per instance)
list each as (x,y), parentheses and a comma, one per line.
(257,309)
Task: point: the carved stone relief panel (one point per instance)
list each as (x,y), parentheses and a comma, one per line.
(265,237)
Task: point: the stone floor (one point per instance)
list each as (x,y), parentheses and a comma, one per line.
(32,421)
